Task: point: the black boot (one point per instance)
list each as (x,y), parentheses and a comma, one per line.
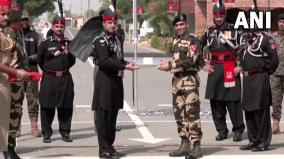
(237,137)
(249,146)
(11,153)
(183,150)
(7,155)
(221,136)
(196,150)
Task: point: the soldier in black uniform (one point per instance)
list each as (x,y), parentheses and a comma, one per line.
(258,61)
(56,87)
(108,94)
(223,84)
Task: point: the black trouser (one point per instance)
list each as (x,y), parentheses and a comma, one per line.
(219,111)
(106,123)
(259,126)
(64,119)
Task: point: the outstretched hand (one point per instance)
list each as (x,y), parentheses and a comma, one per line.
(132,66)
(163,65)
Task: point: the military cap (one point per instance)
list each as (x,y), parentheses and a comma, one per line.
(5,5)
(58,20)
(219,8)
(16,12)
(180,18)
(110,14)
(281,16)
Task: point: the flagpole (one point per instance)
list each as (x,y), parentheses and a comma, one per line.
(135,39)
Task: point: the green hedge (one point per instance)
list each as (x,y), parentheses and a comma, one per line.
(161,43)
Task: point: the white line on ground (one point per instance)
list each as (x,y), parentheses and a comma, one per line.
(146,134)
(164,105)
(274,156)
(82,106)
(129,121)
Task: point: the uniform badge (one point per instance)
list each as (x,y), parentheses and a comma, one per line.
(273,46)
(102,42)
(229,75)
(227,34)
(181,18)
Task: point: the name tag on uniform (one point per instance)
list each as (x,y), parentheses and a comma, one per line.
(51,48)
(29,39)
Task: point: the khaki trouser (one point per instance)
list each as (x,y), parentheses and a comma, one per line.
(186,107)
(5,99)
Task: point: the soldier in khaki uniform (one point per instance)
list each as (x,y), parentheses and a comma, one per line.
(18,61)
(6,45)
(187,61)
(5,50)
(277,78)
(31,90)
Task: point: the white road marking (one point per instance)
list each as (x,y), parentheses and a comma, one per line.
(146,134)
(262,156)
(148,61)
(83,106)
(164,105)
(129,121)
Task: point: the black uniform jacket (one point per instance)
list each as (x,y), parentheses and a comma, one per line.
(108,88)
(55,91)
(215,88)
(260,59)
(31,39)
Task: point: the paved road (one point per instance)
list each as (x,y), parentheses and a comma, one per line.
(148,133)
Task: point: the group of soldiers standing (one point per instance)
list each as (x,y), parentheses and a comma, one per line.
(22,51)
(18,52)
(239,65)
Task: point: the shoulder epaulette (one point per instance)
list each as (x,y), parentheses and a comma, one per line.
(193,35)
(102,35)
(98,36)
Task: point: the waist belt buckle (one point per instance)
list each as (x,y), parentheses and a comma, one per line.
(246,73)
(58,73)
(221,58)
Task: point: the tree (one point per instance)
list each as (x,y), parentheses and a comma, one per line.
(105,4)
(91,13)
(37,7)
(51,16)
(159,17)
(68,13)
(124,6)
(155,11)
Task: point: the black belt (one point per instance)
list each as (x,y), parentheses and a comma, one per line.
(183,74)
(57,73)
(254,71)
